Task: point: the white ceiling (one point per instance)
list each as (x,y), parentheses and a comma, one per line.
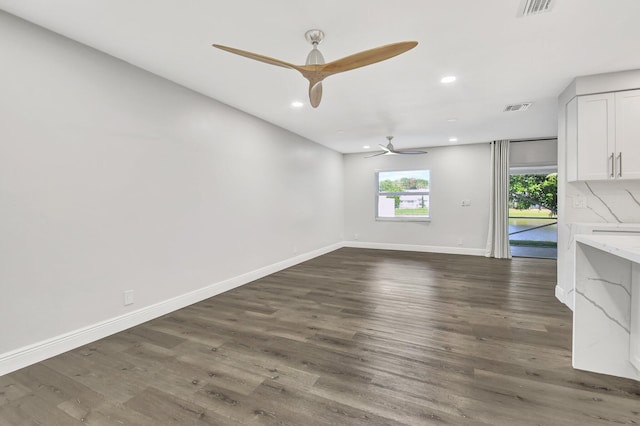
(498,58)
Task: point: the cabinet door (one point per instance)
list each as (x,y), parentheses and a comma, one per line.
(628,134)
(596,136)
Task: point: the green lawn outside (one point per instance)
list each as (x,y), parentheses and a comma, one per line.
(531,213)
(412,212)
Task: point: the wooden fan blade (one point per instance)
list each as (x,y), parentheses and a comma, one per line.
(257,57)
(316,73)
(367,57)
(315,93)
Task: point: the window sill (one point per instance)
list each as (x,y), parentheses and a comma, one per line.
(403,219)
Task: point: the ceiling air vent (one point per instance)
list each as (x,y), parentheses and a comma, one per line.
(534,7)
(517,107)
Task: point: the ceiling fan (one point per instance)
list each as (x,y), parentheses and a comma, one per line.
(315,70)
(390,150)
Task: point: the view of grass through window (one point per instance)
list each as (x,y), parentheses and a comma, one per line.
(403,194)
(533,209)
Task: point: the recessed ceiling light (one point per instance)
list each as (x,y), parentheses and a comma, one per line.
(452,119)
(297,104)
(453,139)
(366,147)
(448,79)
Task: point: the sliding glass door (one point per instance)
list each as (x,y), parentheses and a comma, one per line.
(533,209)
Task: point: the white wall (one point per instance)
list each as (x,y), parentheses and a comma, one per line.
(610,205)
(457,173)
(112,179)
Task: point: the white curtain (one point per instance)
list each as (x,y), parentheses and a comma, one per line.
(498,239)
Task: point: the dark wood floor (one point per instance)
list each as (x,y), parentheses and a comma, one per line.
(353,337)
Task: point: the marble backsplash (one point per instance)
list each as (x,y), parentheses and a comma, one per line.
(606,201)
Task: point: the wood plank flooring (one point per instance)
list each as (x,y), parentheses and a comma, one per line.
(355,337)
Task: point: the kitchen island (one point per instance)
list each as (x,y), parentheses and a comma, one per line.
(606,317)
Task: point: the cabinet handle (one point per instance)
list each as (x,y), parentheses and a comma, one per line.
(613,166)
(620,164)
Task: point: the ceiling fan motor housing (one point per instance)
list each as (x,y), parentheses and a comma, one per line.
(315,57)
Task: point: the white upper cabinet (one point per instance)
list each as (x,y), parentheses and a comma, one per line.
(603,136)
(596,134)
(628,134)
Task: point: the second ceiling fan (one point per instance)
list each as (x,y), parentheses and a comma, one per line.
(315,70)
(389,149)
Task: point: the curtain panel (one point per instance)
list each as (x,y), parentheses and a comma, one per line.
(498,238)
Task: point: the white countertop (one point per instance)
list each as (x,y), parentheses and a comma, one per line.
(607,225)
(624,246)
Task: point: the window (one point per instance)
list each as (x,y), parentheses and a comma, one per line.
(402,195)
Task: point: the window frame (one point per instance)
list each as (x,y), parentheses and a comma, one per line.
(407,218)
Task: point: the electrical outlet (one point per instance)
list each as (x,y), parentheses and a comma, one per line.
(356,236)
(579,202)
(295,250)
(128,297)
(465,203)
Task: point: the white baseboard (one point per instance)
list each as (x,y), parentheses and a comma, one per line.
(27,355)
(415,247)
(22,357)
